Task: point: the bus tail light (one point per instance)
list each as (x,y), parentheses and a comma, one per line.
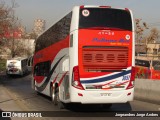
(132,79)
(76,79)
(127,9)
(82,6)
(13,70)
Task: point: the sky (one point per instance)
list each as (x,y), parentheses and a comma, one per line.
(53,10)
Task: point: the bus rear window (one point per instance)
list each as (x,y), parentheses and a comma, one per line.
(105,17)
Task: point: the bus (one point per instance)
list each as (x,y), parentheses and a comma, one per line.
(30,63)
(147,69)
(87,57)
(16,66)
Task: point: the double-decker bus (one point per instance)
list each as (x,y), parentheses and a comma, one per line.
(87,57)
(148,69)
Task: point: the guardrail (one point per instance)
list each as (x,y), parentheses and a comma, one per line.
(147,90)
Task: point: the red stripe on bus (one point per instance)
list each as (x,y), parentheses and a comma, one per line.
(114,86)
(39,79)
(55,79)
(62,78)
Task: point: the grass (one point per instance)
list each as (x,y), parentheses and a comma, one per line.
(2,64)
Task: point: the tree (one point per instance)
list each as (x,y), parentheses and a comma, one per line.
(13,26)
(4,21)
(8,25)
(4,26)
(33,35)
(153,36)
(146,39)
(140,30)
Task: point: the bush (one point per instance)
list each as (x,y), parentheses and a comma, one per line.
(2,64)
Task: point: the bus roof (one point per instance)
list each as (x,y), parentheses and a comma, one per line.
(18,58)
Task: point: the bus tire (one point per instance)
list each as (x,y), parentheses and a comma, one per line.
(57,101)
(34,88)
(51,94)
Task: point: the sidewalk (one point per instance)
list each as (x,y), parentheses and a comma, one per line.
(8,102)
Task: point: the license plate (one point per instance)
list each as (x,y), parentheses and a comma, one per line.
(105,94)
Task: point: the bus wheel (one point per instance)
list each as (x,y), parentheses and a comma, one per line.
(34,88)
(57,101)
(52,96)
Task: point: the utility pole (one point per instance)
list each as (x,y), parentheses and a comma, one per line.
(13,39)
(13,25)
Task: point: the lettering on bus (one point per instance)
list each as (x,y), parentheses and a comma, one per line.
(110,40)
(39,56)
(106,33)
(126,77)
(105,94)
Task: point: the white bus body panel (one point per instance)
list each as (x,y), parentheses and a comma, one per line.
(101,97)
(16,63)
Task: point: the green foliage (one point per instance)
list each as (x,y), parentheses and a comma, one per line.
(2,64)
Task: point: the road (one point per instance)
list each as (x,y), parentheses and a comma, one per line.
(19,89)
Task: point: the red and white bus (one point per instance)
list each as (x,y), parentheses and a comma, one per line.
(87,57)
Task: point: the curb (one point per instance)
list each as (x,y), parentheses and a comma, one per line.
(9,102)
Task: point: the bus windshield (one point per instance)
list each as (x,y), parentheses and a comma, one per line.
(105,18)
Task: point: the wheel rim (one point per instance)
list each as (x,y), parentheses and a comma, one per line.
(56,98)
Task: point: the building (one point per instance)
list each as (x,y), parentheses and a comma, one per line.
(140,49)
(153,49)
(39,26)
(148,52)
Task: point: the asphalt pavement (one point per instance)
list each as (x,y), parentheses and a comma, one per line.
(16,95)
(8,101)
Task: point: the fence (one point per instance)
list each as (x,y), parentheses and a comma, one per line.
(146,73)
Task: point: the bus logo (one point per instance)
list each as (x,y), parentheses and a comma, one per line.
(126,77)
(85,13)
(128,37)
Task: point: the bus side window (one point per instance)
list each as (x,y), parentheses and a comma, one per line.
(42,69)
(47,68)
(36,70)
(29,61)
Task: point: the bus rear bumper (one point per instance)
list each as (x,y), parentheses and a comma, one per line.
(14,73)
(102,97)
